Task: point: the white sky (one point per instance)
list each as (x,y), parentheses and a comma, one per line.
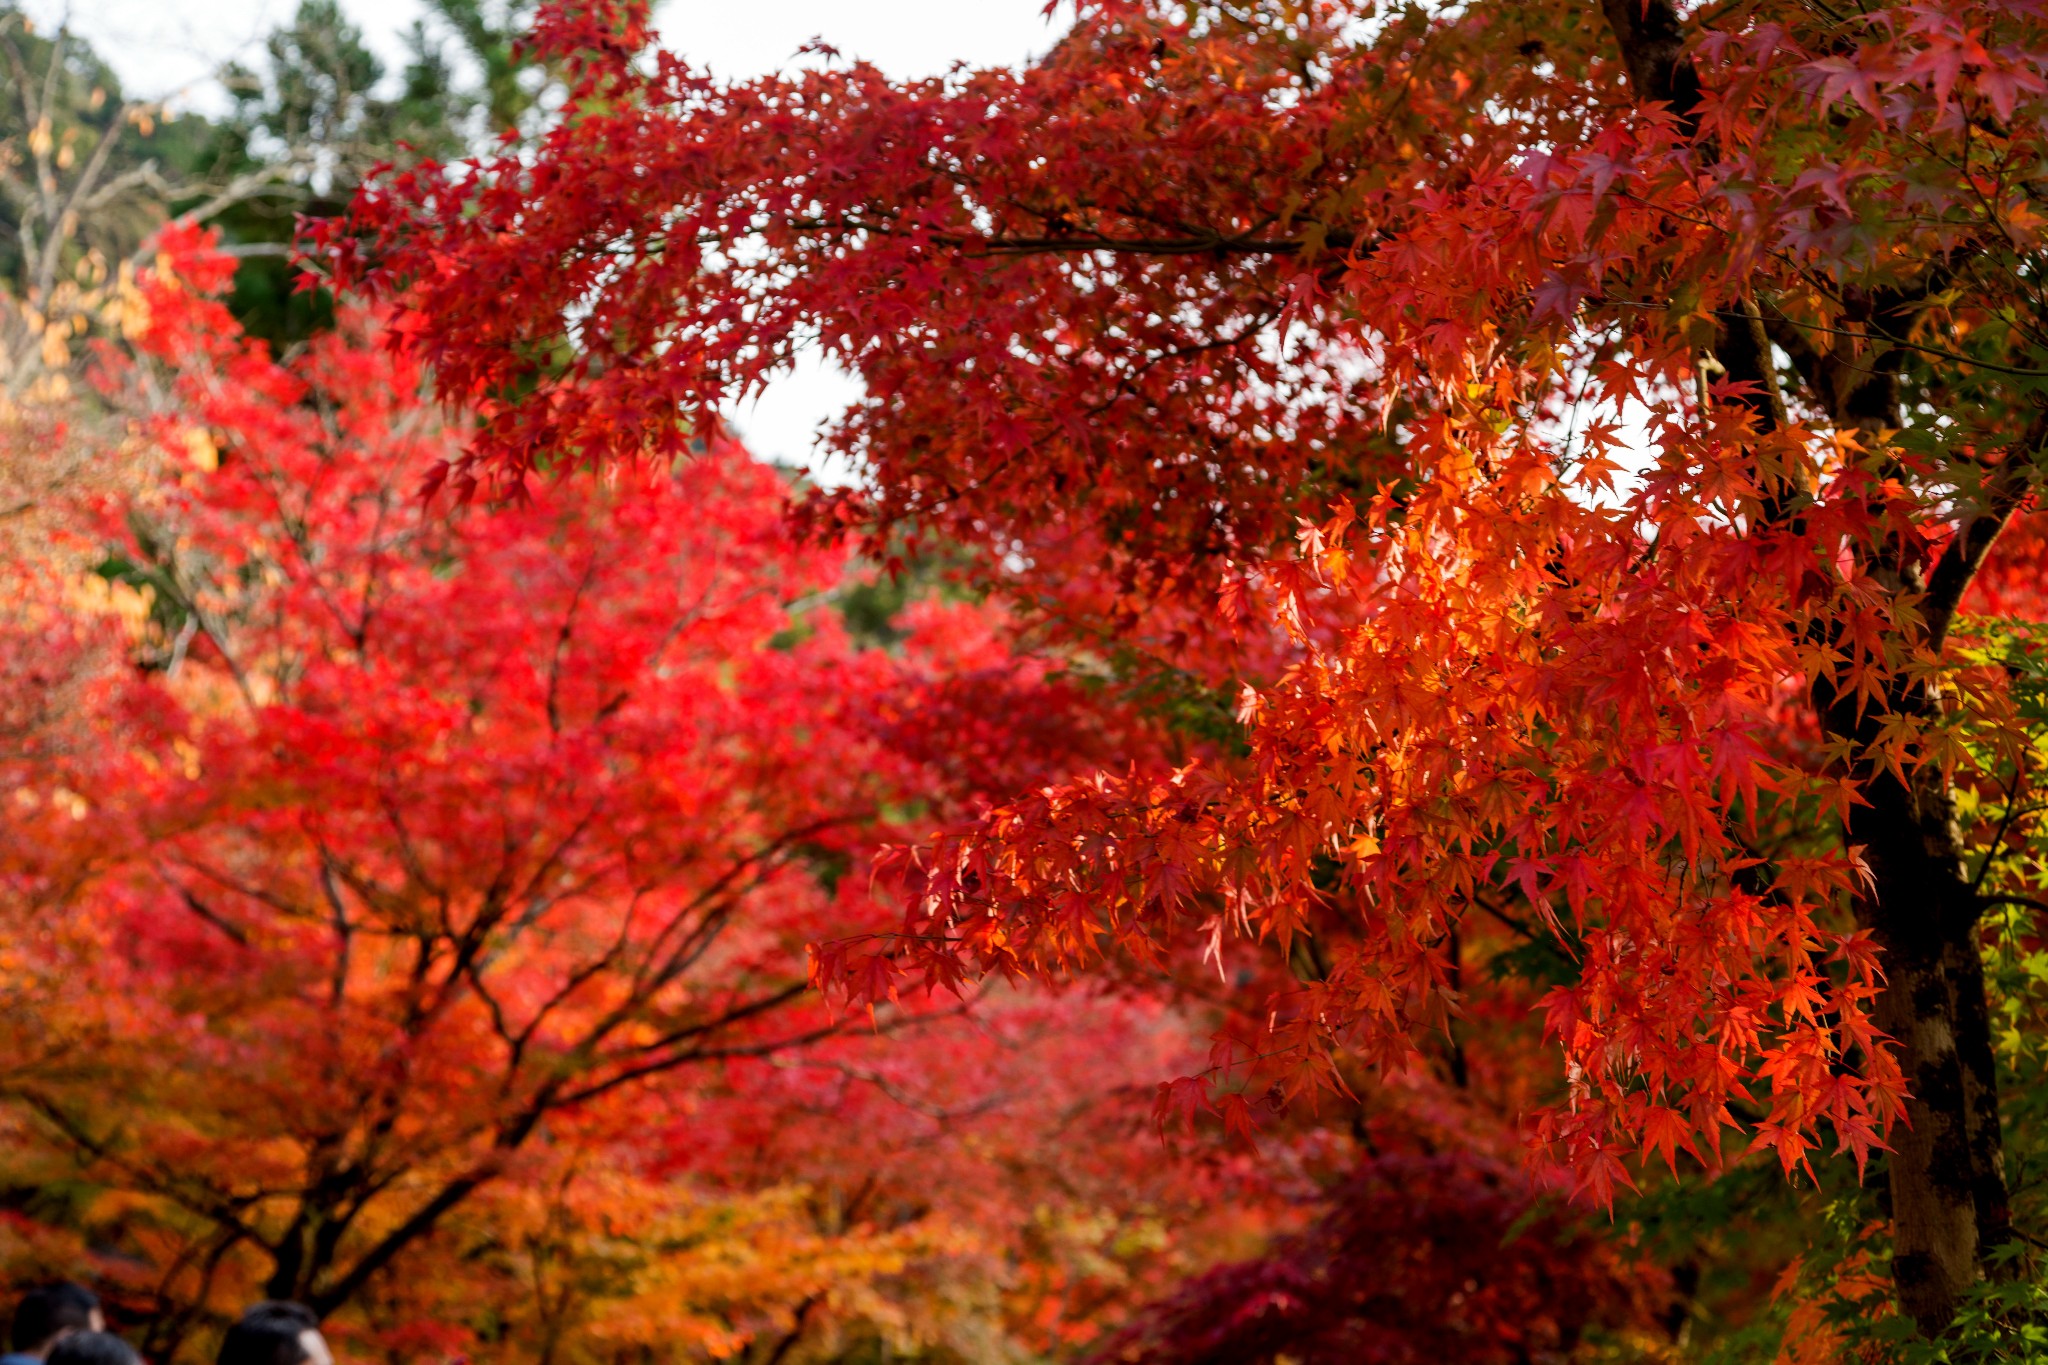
(168,48)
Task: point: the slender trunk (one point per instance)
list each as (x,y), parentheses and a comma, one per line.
(1946,1168)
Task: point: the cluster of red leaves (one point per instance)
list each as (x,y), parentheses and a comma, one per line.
(1548,721)
(1421,1257)
(1126,314)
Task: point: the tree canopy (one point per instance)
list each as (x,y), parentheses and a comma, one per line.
(1570,433)
(1413,734)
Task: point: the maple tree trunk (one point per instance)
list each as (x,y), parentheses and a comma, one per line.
(1946,1168)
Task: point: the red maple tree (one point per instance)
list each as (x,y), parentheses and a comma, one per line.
(1577,428)
(409,909)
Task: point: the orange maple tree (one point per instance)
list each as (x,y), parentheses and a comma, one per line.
(407,907)
(1570,431)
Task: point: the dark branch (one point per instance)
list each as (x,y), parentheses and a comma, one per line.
(2008,486)
(1653,47)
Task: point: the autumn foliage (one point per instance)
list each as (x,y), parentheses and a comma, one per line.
(1422,1257)
(1569,431)
(1415,740)
(462,864)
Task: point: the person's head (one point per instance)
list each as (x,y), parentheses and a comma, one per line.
(91,1348)
(45,1314)
(276,1334)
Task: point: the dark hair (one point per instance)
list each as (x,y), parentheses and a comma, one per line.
(44,1312)
(92,1348)
(268,1334)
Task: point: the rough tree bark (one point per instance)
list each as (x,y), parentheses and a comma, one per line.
(1945,1170)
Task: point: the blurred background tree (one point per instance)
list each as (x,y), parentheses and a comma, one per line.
(88,170)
